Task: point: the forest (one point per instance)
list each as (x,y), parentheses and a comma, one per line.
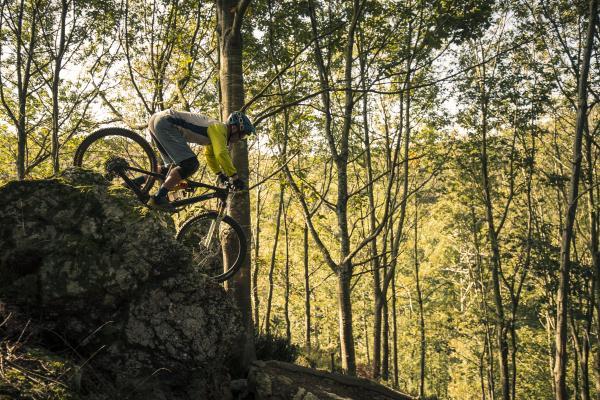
(424,202)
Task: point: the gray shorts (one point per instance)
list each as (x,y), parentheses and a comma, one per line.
(176,148)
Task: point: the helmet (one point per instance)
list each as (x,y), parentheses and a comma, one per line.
(240,119)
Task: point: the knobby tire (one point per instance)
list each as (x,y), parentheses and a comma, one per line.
(105,134)
(198,224)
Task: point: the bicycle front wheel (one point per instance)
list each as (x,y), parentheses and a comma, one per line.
(207,238)
(107,143)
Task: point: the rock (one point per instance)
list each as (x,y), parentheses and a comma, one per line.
(275,380)
(89,261)
(239,385)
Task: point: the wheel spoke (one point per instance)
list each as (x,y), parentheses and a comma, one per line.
(209,256)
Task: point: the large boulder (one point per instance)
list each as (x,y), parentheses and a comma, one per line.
(276,380)
(87,262)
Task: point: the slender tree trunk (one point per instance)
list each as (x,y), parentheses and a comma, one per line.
(23,66)
(423,345)
(489,352)
(593,247)
(286,299)
(345,309)
(256,272)
(377,315)
(230,14)
(366,331)
(395,331)
(385,337)
(272,265)
(21,132)
(482,371)
(501,328)
(375,263)
(560,366)
(580,361)
(56,84)
(307,311)
(576,372)
(593,221)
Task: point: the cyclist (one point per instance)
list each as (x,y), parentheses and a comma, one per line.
(173,130)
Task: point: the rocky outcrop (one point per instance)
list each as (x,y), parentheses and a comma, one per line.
(275,380)
(87,262)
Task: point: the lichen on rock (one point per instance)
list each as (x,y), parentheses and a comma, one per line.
(88,260)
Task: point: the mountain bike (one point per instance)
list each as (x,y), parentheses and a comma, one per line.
(121,154)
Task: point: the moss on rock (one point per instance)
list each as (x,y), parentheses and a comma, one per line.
(87,260)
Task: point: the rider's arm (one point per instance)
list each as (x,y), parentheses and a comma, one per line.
(217,152)
(211,161)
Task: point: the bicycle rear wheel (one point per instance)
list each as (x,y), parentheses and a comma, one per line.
(107,143)
(210,257)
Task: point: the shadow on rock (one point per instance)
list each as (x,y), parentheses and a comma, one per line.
(87,262)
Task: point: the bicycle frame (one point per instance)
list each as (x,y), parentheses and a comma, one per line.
(217,192)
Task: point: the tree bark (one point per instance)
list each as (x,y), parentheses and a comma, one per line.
(339,148)
(385,342)
(345,317)
(286,298)
(375,263)
(272,265)
(256,272)
(422,346)
(395,332)
(56,84)
(562,306)
(230,14)
(307,315)
(593,247)
(24,60)
(501,339)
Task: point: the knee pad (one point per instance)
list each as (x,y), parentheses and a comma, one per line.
(187,167)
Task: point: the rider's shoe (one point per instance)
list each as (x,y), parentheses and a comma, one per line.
(160,203)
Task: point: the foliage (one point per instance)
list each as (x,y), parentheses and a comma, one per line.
(269,347)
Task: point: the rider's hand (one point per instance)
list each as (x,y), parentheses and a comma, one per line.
(222,179)
(238,184)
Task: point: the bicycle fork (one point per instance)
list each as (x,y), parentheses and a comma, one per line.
(214,225)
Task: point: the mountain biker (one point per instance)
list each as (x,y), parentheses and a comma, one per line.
(173,130)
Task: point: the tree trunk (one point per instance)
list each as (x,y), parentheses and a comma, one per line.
(562,306)
(385,342)
(56,84)
(230,14)
(286,299)
(423,346)
(272,265)
(366,330)
(375,263)
(395,332)
(593,221)
(377,315)
(501,339)
(345,318)
(307,323)
(256,272)
(23,79)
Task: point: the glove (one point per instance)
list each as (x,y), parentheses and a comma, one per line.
(222,179)
(238,184)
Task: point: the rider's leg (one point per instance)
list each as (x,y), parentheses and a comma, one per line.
(184,169)
(176,148)
(172,180)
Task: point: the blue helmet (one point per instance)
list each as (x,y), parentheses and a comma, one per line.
(240,119)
